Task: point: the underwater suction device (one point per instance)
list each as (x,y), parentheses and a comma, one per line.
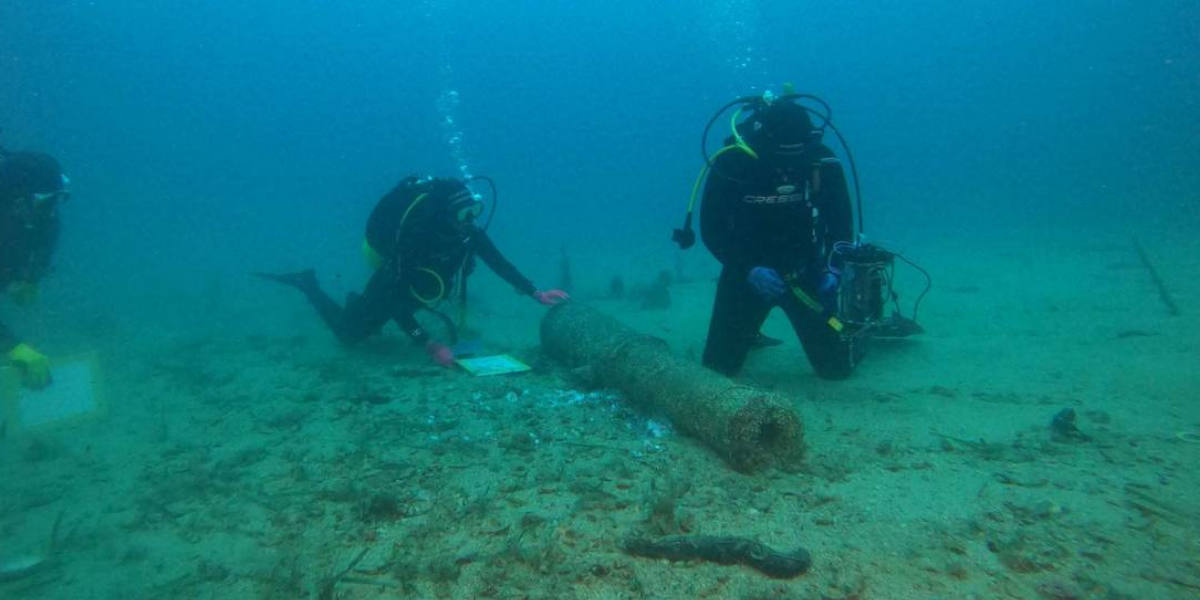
(865,290)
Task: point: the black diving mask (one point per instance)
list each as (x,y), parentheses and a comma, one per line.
(58,196)
(36,208)
(51,198)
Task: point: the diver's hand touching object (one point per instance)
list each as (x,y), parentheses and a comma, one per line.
(439,353)
(550,297)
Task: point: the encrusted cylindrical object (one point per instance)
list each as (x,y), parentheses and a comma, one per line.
(749,428)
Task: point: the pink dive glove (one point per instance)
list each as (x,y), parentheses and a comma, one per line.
(551,297)
(439,353)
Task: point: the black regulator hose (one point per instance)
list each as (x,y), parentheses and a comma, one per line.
(853,175)
(928,284)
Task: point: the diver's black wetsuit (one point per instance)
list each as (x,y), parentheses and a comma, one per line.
(783,212)
(412,249)
(28,234)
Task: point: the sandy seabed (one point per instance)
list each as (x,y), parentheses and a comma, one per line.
(257,459)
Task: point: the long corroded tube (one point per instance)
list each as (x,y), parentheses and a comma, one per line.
(749,428)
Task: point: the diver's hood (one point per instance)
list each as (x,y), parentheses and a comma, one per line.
(783,127)
(444,187)
(459,199)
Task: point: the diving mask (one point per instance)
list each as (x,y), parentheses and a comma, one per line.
(464,206)
(469,212)
(60,195)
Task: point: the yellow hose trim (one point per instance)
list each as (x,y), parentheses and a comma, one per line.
(415,202)
(34,366)
(738,143)
(704,171)
(737,137)
(373,258)
(833,322)
(806,299)
(696,188)
(437,297)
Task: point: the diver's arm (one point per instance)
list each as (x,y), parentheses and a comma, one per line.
(483,246)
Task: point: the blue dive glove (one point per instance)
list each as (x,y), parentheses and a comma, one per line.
(767,283)
(827,291)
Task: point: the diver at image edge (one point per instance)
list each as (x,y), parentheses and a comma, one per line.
(421,239)
(776,213)
(32,186)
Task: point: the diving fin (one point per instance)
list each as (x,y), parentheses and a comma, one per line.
(763,340)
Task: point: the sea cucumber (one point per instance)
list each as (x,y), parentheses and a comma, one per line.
(725,551)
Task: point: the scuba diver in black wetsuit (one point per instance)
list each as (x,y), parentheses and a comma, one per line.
(776,213)
(421,239)
(771,221)
(32,186)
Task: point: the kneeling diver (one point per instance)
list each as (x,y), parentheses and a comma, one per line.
(776,213)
